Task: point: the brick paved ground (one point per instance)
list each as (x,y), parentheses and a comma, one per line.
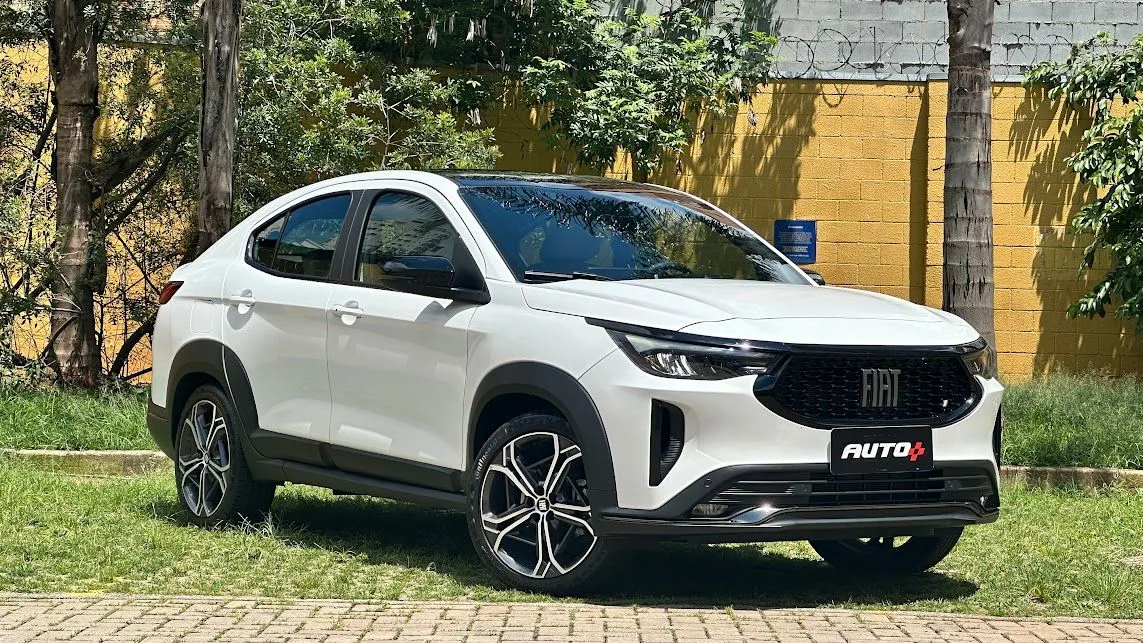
(137,618)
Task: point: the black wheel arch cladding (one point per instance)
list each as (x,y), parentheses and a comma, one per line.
(214,360)
(566,395)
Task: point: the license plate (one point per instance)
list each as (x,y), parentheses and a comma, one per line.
(881,450)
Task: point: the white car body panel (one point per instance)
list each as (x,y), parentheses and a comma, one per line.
(281,341)
(401,379)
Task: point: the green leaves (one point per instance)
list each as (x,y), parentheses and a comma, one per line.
(638,84)
(317,104)
(1100,76)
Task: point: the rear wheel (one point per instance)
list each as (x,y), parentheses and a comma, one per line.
(888,554)
(529,511)
(213,482)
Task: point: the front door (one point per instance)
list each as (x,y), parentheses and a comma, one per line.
(276,316)
(397,360)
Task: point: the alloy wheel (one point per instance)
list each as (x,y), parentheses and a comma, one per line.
(534,506)
(204,458)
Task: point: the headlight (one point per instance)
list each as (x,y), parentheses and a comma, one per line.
(983,362)
(685,360)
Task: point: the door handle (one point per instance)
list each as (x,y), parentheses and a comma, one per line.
(346,311)
(241,300)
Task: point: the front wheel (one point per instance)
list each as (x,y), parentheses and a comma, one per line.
(529,509)
(888,554)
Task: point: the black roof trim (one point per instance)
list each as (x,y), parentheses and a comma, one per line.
(477,178)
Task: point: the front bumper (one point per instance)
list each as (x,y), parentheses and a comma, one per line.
(806,502)
(807,523)
(728,435)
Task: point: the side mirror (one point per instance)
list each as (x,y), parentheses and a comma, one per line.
(428,276)
(413,274)
(815,276)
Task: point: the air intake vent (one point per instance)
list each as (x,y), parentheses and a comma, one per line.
(666,439)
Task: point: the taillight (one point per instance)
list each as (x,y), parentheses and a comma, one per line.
(169,291)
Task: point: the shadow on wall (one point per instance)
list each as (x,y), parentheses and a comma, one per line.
(1044,133)
(753,170)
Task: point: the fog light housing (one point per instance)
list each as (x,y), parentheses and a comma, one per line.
(709,510)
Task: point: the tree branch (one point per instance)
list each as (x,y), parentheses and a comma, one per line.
(120,361)
(109,173)
(149,184)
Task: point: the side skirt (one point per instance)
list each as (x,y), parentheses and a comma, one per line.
(355,484)
(288,458)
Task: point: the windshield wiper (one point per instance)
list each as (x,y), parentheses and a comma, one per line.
(545,277)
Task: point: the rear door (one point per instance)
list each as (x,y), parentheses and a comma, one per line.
(276,315)
(397,360)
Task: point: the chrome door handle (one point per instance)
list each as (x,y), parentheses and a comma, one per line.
(346,311)
(241,300)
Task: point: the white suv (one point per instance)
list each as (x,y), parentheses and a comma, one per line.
(575,362)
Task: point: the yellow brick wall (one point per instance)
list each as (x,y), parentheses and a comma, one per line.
(865,160)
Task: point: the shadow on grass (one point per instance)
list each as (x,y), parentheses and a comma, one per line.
(400,534)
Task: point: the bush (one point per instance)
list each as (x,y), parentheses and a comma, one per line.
(1064,420)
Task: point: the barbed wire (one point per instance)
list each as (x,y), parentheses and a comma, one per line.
(869,54)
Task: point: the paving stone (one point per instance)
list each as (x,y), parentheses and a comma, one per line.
(162,619)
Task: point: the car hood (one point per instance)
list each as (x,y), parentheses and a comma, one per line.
(754,310)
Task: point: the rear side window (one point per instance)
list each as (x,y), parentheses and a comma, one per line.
(302,241)
(403,225)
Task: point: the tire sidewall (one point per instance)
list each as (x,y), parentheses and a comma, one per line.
(580,579)
(237,458)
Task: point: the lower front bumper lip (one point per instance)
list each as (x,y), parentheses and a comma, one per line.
(807,523)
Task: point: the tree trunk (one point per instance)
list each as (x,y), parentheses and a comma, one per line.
(218,119)
(968,282)
(638,174)
(75,73)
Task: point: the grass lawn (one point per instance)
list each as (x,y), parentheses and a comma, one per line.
(1075,420)
(1060,420)
(1052,553)
(52,419)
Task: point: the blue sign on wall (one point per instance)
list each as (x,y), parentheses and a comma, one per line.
(798,240)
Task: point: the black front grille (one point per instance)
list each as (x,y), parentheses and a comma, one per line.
(826,390)
(821,489)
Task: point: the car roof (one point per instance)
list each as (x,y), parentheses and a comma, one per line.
(477,178)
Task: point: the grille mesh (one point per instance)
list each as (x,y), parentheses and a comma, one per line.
(826,389)
(809,489)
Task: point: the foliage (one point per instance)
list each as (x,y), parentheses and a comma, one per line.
(25,238)
(637,84)
(1105,78)
(1052,553)
(314,104)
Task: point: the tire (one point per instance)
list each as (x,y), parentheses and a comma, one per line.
(535,533)
(212,479)
(901,555)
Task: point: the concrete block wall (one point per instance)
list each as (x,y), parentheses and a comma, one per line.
(906,39)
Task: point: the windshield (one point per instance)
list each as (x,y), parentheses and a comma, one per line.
(547,232)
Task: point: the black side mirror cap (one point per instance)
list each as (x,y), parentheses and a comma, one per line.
(428,276)
(815,276)
(400,273)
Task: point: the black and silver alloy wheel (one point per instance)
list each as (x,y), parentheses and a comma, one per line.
(534,506)
(204,458)
(888,554)
(214,483)
(530,507)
